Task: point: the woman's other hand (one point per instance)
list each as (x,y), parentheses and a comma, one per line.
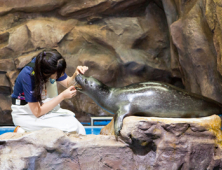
(69,92)
(39,110)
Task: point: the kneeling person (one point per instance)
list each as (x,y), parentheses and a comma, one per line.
(35,99)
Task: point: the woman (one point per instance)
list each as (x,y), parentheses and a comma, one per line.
(35,99)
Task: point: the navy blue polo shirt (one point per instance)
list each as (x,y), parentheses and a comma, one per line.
(25,82)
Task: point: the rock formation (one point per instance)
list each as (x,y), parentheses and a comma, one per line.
(129,41)
(145,143)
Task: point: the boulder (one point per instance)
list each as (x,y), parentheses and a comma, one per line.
(53,149)
(165,143)
(5,110)
(5,87)
(29,6)
(84,8)
(22,60)
(145,143)
(12,75)
(7,65)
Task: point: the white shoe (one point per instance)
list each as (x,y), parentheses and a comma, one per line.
(18,129)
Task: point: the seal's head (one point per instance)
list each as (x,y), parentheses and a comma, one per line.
(90,86)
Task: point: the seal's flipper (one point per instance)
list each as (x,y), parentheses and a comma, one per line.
(116,138)
(118,121)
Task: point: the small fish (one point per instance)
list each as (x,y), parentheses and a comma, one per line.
(77,86)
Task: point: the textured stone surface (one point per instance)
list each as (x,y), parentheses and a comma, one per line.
(199,51)
(21,61)
(29,6)
(121,41)
(7,65)
(145,143)
(173,143)
(4,84)
(52,149)
(5,109)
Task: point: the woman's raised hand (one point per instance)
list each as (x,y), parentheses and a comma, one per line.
(69,92)
(81,70)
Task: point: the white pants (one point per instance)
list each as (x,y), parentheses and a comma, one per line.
(57,118)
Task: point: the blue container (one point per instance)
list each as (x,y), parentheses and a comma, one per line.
(6,129)
(89,130)
(93,130)
(101,122)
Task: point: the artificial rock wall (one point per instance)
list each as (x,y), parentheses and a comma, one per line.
(121,41)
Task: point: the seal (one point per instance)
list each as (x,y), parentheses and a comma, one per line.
(150,99)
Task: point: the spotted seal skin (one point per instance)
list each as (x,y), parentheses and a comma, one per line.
(150,99)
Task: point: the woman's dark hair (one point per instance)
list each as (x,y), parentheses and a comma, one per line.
(47,62)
